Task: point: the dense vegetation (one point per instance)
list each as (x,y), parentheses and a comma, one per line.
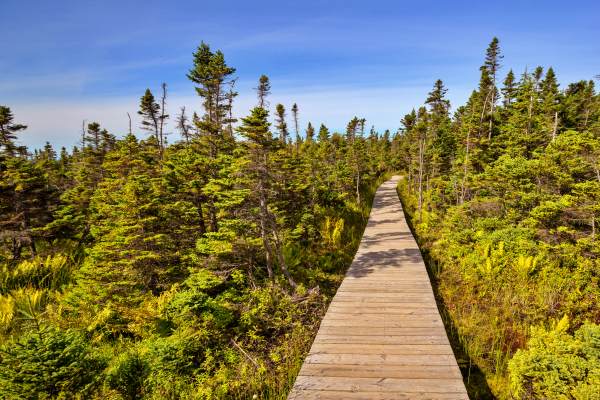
(132,268)
(504,197)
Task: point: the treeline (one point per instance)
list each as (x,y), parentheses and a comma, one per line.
(504,197)
(132,268)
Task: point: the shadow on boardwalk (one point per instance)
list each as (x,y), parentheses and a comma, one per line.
(373,261)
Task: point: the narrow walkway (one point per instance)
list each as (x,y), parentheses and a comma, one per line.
(382,336)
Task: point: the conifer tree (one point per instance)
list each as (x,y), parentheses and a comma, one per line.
(296,128)
(310,133)
(491,67)
(150,112)
(323,133)
(162,118)
(550,97)
(281,125)
(8,131)
(260,143)
(139,233)
(263,90)
(27,201)
(214,83)
(509,89)
(183,125)
(443,146)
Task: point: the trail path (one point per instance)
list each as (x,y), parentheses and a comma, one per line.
(382,336)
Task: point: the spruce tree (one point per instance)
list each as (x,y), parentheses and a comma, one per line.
(550,97)
(214,83)
(263,90)
(8,131)
(260,144)
(296,129)
(151,115)
(281,125)
(310,133)
(323,133)
(443,147)
(183,125)
(491,66)
(509,89)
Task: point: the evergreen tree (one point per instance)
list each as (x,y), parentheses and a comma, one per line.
(185,129)
(260,143)
(151,115)
(281,125)
(213,77)
(491,67)
(310,133)
(139,234)
(323,133)
(550,97)
(442,148)
(263,90)
(296,129)
(8,131)
(509,90)
(27,201)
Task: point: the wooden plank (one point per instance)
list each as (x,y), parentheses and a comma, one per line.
(383,305)
(307,394)
(391,321)
(380,371)
(354,348)
(382,324)
(382,359)
(352,312)
(380,384)
(382,339)
(381,331)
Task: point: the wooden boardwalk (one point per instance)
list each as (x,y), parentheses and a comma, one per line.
(382,336)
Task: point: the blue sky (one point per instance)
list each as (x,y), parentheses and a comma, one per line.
(66,61)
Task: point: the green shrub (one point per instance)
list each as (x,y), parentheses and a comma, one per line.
(127,375)
(48,364)
(556,365)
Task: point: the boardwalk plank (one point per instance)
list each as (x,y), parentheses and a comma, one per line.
(380,371)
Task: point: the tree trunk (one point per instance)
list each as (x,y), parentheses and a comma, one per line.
(492,106)
(212,214)
(264,216)
(281,259)
(162,118)
(463,189)
(483,112)
(202,225)
(555,125)
(129,117)
(421,168)
(529,114)
(358,188)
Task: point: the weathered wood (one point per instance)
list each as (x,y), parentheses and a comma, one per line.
(380,371)
(381,384)
(304,394)
(382,336)
(382,339)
